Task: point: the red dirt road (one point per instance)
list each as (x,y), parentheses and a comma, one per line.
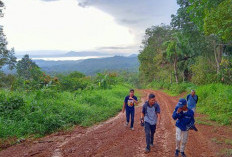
(112,138)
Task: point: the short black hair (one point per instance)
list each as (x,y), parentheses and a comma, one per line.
(132,90)
(151,96)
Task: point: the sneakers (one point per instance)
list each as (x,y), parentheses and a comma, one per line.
(126,124)
(146,151)
(177,153)
(152,145)
(183,154)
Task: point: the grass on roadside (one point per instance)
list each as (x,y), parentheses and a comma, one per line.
(215,100)
(44,111)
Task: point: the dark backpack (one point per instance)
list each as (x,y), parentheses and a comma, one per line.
(146,106)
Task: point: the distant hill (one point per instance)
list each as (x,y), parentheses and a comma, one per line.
(88,66)
(91,66)
(133,55)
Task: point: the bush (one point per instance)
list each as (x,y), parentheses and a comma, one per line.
(74,81)
(202,72)
(6,81)
(10,103)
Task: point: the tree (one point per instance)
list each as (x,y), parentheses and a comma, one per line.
(213,17)
(218,21)
(73,81)
(198,9)
(28,70)
(177,51)
(151,56)
(194,41)
(6,56)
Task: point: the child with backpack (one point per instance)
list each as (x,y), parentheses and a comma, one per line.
(150,116)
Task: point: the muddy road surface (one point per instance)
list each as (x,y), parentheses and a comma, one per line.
(113,139)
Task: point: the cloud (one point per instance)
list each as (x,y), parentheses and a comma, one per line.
(137,15)
(142,12)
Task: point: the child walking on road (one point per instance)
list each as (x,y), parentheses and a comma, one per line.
(192,100)
(150,116)
(184,120)
(128,105)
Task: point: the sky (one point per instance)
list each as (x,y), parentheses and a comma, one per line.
(112,26)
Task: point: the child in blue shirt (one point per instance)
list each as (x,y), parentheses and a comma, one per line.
(129,103)
(192,100)
(184,121)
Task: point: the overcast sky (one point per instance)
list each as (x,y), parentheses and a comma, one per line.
(82,25)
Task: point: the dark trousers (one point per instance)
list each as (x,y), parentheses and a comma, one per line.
(130,113)
(149,131)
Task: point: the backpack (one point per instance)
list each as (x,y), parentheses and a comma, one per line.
(146,105)
(196,100)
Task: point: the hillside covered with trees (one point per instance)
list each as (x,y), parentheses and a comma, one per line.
(193,52)
(195,47)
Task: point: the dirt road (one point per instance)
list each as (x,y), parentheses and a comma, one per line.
(112,138)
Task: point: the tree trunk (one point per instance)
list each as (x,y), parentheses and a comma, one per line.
(175,69)
(218,51)
(171,77)
(183,76)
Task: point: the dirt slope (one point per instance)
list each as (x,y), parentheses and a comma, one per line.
(112,138)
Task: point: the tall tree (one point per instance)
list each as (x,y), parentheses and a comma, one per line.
(6,56)
(177,50)
(213,17)
(27,69)
(152,50)
(218,21)
(195,42)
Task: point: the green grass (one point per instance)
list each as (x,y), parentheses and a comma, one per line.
(215,100)
(228,141)
(173,89)
(225,152)
(215,140)
(203,122)
(222,141)
(41,112)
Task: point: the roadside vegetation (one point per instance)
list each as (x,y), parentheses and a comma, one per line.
(193,52)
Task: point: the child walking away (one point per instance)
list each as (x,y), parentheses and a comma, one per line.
(150,116)
(129,104)
(184,119)
(192,100)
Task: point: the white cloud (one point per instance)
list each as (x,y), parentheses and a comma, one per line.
(61,25)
